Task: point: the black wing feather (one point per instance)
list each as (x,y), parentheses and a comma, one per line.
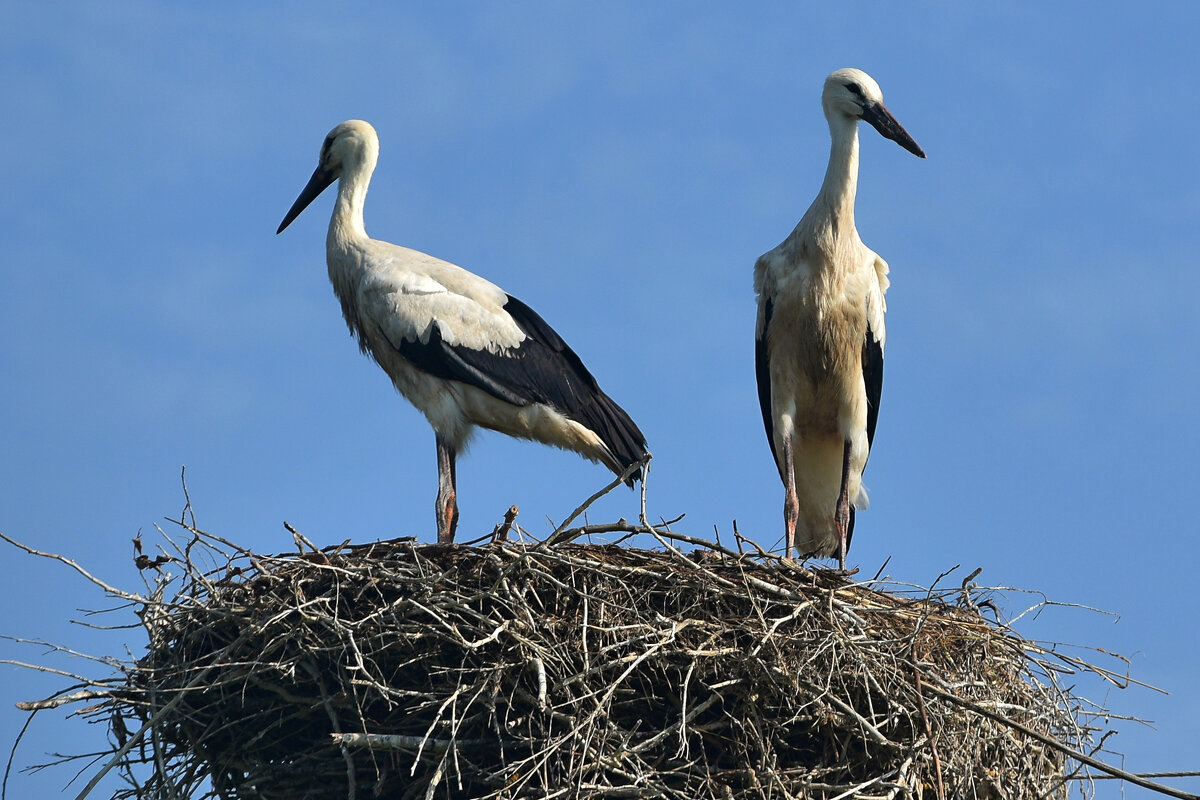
(872,366)
(762,370)
(543,369)
(446,361)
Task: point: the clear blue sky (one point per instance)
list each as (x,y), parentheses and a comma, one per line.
(619,168)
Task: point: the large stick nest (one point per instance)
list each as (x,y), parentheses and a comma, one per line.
(509,670)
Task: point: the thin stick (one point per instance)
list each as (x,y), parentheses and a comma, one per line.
(408,744)
(557,536)
(56,557)
(1050,741)
(1146,775)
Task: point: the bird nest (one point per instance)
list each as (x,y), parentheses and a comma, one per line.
(523,669)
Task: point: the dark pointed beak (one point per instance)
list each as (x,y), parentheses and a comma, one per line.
(319,181)
(882,120)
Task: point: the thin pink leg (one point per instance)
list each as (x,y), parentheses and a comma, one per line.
(447,499)
(791,504)
(841,516)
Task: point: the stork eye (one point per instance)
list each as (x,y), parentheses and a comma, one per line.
(854,89)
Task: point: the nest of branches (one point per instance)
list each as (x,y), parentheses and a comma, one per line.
(515,669)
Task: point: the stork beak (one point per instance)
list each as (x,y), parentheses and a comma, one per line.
(319,181)
(882,120)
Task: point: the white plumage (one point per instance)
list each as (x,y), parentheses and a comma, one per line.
(455,345)
(820,335)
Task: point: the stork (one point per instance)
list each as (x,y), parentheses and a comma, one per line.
(819,336)
(459,348)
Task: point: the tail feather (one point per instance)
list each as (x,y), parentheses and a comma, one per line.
(618,432)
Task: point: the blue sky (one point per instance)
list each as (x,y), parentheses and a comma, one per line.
(619,168)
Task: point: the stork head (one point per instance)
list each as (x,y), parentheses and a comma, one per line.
(352,148)
(854,94)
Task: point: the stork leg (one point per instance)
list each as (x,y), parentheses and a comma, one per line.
(791,504)
(447,499)
(841,515)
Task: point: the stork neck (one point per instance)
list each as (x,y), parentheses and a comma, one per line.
(346,225)
(836,198)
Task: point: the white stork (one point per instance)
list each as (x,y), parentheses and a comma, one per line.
(460,349)
(820,335)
